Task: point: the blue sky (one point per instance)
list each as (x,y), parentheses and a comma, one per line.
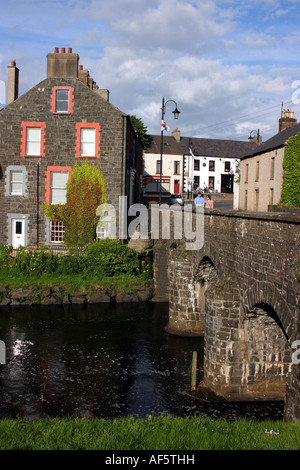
(228,64)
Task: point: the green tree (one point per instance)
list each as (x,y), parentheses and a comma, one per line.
(85,192)
(290,192)
(140,129)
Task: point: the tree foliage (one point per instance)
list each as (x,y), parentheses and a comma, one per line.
(290,192)
(140,128)
(85,192)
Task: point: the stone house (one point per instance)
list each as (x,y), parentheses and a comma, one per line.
(262,171)
(64,119)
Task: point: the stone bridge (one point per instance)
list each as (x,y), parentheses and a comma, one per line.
(240,290)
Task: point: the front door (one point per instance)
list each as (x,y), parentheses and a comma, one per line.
(18,232)
(227,183)
(176,187)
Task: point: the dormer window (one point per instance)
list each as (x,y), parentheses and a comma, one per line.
(62,100)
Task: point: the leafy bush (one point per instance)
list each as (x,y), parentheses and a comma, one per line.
(85,192)
(34,261)
(72,263)
(290,193)
(105,258)
(5,252)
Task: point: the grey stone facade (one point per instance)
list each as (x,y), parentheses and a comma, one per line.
(120,150)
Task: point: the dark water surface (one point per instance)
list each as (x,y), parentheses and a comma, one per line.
(105,361)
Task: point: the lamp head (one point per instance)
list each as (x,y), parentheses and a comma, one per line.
(176,113)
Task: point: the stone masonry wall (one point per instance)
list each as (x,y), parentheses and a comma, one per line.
(252,303)
(60,141)
(161,270)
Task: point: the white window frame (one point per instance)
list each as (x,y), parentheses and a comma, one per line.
(56,231)
(9,181)
(33,145)
(67,101)
(85,133)
(58,188)
(101,231)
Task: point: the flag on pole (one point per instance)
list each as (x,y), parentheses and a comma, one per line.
(192,153)
(164,127)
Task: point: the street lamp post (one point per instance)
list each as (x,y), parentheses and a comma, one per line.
(176,115)
(257,136)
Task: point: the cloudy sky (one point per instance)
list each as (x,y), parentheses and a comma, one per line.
(228,64)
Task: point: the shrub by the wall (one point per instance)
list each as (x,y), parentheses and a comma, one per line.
(85,192)
(290,193)
(104,258)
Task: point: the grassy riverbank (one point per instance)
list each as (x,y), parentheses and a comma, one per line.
(161,433)
(119,283)
(106,263)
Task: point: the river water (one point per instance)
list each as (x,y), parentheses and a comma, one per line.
(105,361)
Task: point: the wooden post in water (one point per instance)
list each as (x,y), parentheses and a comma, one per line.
(194,372)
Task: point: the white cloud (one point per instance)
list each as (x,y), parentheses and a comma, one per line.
(215,58)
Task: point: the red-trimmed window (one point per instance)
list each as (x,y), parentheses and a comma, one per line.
(33,139)
(55,184)
(87,140)
(62,100)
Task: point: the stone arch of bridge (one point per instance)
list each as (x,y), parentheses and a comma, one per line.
(267,352)
(204,277)
(205,271)
(265,295)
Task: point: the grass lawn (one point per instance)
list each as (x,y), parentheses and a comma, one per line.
(161,433)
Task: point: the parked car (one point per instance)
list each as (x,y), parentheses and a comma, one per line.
(176,199)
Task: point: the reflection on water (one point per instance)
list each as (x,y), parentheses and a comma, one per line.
(105,361)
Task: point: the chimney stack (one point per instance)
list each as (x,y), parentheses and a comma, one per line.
(176,135)
(65,65)
(287,119)
(62,64)
(83,75)
(13,82)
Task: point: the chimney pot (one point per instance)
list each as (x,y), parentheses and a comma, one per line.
(70,50)
(81,67)
(56,50)
(13,63)
(63,50)
(287,120)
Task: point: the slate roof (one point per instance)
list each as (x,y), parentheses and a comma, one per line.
(171,146)
(278,140)
(217,147)
(200,147)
